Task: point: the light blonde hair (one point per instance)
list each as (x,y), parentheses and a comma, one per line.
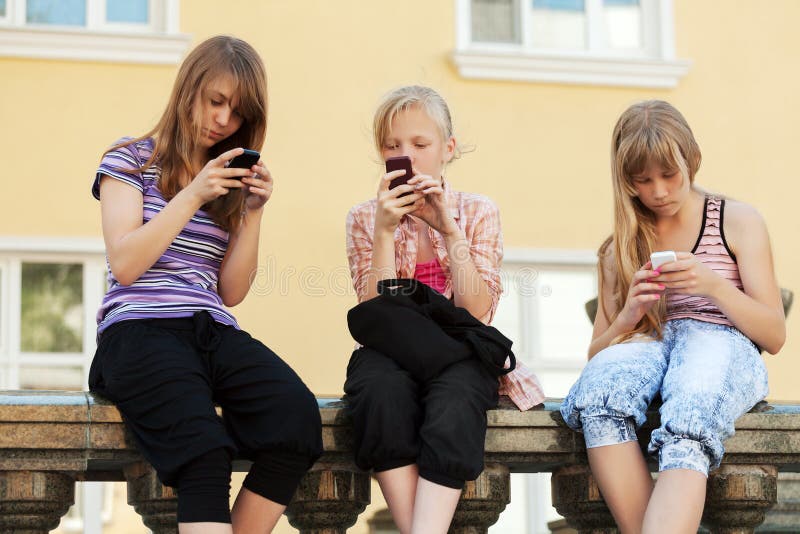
(410,96)
(179,129)
(648,132)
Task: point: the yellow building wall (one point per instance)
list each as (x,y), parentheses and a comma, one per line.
(541,149)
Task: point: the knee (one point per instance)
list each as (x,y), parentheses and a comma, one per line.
(204,488)
(275,475)
(296,399)
(387,391)
(615,383)
(690,436)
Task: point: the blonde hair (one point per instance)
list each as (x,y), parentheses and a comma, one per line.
(406,97)
(648,132)
(179,129)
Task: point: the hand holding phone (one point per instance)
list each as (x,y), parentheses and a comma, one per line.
(244,161)
(657,259)
(395,164)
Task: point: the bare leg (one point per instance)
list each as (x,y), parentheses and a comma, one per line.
(676,506)
(624,481)
(204,528)
(399,487)
(434,507)
(254,514)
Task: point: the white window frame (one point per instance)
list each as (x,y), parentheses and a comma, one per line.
(90,253)
(158,42)
(653,66)
(531,509)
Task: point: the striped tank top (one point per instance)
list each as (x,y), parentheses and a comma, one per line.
(712,250)
(184,279)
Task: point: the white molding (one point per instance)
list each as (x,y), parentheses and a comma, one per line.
(49,245)
(586,70)
(83,45)
(654,66)
(550,256)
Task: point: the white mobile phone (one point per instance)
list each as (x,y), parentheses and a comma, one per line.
(657,259)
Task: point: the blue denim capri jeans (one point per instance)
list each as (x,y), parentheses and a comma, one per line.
(707,374)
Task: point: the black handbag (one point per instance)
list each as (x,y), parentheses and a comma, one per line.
(424,332)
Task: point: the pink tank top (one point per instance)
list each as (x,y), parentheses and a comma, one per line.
(711,249)
(431,274)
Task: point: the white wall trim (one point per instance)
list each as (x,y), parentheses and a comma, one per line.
(83,45)
(550,256)
(619,72)
(49,245)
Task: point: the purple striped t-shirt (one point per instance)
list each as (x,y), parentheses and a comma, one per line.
(184,279)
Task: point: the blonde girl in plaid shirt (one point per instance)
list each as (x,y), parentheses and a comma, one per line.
(386,238)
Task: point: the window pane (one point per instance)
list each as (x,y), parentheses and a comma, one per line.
(2,8)
(565,331)
(51,377)
(558,24)
(61,12)
(623,23)
(52,307)
(508,318)
(129,11)
(495,21)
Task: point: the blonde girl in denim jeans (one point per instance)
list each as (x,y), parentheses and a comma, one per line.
(689,331)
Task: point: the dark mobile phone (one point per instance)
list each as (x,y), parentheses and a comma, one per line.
(395,164)
(245,160)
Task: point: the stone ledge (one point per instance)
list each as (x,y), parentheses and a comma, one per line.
(48,439)
(82,433)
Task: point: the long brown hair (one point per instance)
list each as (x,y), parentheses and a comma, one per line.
(651,131)
(179,130)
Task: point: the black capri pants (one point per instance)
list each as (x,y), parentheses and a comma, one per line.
(440,425)
(166,376)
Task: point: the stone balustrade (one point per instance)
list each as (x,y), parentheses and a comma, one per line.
(48,440)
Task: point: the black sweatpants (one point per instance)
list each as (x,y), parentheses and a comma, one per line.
(440,425)
(166,375)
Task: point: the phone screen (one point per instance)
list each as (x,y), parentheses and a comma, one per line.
(395,164)
(245,160)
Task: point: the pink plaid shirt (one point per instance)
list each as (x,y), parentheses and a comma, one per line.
(479,219)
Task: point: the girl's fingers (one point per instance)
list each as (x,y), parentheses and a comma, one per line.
(231,183)
(225,157)
(648,287)
(644,275)
(393,198)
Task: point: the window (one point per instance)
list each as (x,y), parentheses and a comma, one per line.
(134,31)
(49,296)
(542,312)
(602,42)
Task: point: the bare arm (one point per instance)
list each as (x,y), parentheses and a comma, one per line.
(642,296)
(757,312)
(370,265)
(475,264)
(133,247)
(238,269)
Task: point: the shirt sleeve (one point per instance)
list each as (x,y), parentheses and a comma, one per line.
(122,163)
(359,250)
(486,250)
